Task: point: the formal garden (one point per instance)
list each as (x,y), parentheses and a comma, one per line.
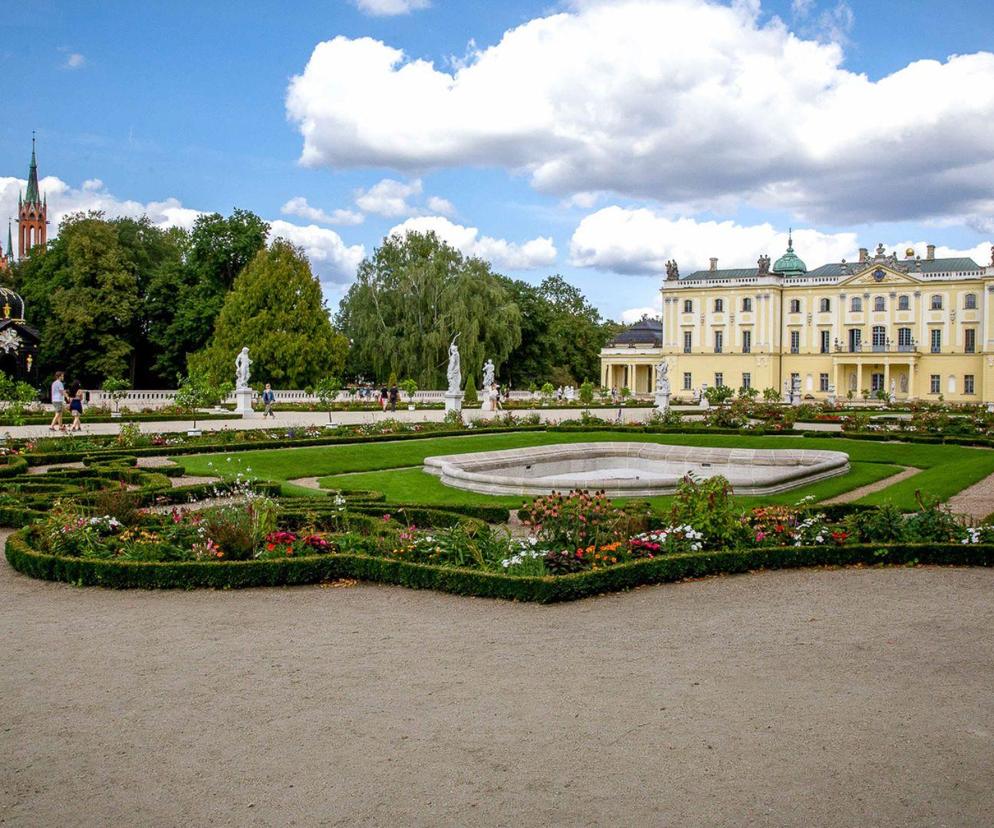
(267,507)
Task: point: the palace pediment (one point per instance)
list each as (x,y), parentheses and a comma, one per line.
(881,276)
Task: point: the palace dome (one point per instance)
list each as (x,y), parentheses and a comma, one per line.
(11,304)
(790,264)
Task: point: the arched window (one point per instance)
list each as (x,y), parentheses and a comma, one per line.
(903,302)
(878,303)
(936,303)
(970,302)
(856,306)
(746,305)
(719,305)
(795,305)
(825,305)
(688,305)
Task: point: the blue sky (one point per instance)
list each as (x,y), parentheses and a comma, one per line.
(597,144)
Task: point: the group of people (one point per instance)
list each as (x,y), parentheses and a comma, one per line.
(60,394)
(389,397)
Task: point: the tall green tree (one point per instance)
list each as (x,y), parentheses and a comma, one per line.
(411,297)
(275,308)
(190,296)
(561,335)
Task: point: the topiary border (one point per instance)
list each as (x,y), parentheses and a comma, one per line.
(547,589)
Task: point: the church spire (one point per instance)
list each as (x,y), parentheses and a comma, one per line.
(10,244)
(32,195)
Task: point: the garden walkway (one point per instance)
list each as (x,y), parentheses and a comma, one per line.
(870,488)
(791,698)
(976,501)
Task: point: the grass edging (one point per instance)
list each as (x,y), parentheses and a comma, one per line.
(548,589)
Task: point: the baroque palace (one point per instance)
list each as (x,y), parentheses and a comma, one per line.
(918,327)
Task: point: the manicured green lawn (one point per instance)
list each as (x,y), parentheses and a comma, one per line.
(945,469)
(415,486)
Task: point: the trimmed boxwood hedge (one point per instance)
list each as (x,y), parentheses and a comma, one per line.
(546,589)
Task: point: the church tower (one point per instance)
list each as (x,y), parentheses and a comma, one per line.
(32,213)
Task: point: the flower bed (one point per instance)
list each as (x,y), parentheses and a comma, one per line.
(579,544)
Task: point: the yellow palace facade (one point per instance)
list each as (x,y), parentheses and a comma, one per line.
(913,326)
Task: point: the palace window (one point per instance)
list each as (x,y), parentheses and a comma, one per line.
(719,379)
(935,384)
(856,306)
(936,338)
(970,301)
(879,337)
(970,341)
(688,342)
(747,380)
(795,305)
(826,341)
(719,340)
(746,342)
(877,381)
(687,381)
(719,305)
(795,342)
(825,305)
(903,303)
(746,305)
(968,383)
(855,340)
(904,339)
(823,382)
(936,303)
(688,305)
(878,303)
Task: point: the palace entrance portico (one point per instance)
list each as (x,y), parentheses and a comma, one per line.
(874,372)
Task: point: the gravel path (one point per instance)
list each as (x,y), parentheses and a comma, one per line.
(976,501)
(870,488)
(842,697)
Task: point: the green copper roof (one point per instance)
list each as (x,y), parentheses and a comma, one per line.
(32,196)
(790,264)
(10,244)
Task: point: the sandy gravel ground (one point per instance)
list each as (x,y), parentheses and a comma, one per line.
(977,500)
(851,697)
(870,488)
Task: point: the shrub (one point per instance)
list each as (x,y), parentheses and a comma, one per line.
(471,395)
(883,525)
(706,505)
(574,521)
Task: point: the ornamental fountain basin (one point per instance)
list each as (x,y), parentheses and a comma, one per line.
(633,469)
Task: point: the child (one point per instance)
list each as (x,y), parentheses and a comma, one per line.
(76,409)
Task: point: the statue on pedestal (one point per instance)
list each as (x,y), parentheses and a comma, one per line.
(662,386)
(488,374)
(242,369)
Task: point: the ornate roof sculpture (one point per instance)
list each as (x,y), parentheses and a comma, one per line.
(790,264)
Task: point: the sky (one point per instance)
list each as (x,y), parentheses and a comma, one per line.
(597,139)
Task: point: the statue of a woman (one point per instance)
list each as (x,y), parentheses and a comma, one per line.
(488,374)
(662,377)
(454,372)
(242,366)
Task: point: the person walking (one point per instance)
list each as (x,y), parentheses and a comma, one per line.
(394,396)
(58,402)
(268,400)
(384,398)
(76,409)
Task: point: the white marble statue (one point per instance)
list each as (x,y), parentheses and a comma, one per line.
(663,377)
(893,390)
(488,373)
(242,369)
(786,390)
(454,371)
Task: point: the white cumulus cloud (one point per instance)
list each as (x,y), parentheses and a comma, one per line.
(640,241)
(389,197)
(388,8)
(331,259)
(298,206)
(684,101)
(538,252)
(633,315)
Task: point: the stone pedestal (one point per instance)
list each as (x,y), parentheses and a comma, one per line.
(662,401)
(453,401)
(243,402)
